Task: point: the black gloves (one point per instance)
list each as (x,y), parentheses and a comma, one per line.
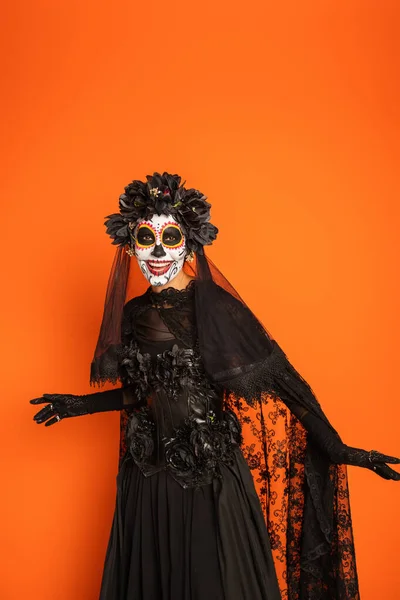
(62,406)
(339,453)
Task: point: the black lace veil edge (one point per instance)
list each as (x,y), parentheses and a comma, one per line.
(305,500)
(104,364)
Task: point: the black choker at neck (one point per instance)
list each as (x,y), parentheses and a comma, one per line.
(171,296)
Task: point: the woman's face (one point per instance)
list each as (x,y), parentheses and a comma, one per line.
(160,248)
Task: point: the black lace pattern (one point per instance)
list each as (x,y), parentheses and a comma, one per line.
(171,296)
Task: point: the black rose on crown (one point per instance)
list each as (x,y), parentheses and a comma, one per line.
(163,194)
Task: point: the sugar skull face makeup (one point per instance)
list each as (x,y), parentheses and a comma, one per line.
(160,248)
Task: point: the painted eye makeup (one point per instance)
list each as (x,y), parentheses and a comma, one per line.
(145,236)
(171,236)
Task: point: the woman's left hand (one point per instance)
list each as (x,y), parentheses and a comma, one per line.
(376,461)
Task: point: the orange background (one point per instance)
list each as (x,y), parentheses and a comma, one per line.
(286,114)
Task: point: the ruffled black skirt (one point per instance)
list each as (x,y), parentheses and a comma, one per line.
(171,543)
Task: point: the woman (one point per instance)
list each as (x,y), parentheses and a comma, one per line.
(232,482)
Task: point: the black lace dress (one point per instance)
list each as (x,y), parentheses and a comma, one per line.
(188,524)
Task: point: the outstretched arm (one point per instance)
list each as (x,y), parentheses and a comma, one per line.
(338,452)
(62,406)
(277,377)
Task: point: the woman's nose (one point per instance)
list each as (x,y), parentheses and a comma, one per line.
(158,251)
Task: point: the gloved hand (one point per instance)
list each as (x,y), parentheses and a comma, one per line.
(339,453)
(62,406)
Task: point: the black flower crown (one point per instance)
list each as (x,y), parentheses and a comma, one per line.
(163,194)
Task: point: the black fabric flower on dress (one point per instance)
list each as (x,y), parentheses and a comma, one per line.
(163,194)
(136,370)
(180,368)
(141,431)
(173,370)
(196,449)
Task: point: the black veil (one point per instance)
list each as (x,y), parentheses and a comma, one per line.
(304,497)
(231,338)
(104,365)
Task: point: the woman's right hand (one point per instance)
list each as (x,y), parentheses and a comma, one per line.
(62,406)
(59,406)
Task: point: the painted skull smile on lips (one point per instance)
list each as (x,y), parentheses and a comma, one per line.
(160,248)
